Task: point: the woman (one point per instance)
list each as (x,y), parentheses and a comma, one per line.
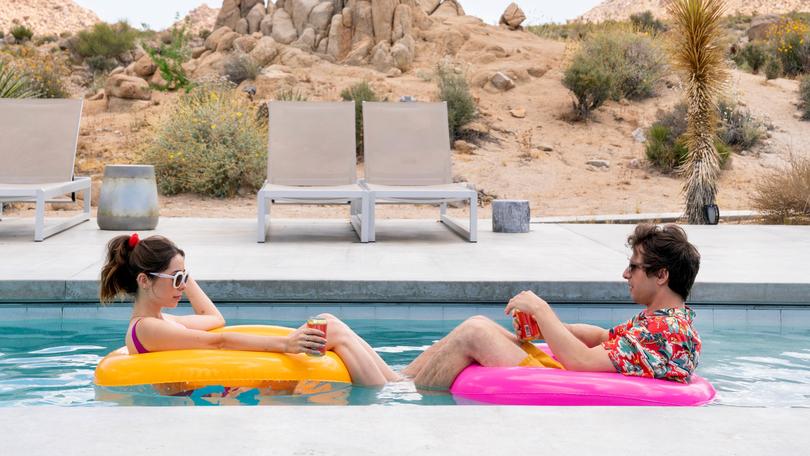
(153,271)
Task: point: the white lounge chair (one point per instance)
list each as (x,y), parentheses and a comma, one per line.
(38,141)
(312,160)
(407,160)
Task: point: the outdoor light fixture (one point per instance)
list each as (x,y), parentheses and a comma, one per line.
(712,213)
(407,98)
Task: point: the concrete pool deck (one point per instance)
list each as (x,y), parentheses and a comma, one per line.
(469,430)
(412,261)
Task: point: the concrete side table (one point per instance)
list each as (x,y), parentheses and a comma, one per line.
(128,199)
(510,216)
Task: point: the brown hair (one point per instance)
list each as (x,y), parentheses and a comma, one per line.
(124,263)
(666,247)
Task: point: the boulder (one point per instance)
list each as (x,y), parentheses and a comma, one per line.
(502,82)
(266,26)
(226,43)
(382,17)
(296,58)
(242,27)
(145,67)
(381,58)
(321,17)
(420,17)
(128,87)
(228,15)
(115,104)
(213,39)
(340,38)
(403,22)
(157,80)
(117,70)
(245,44)
(347,17)
(463,147)
(283,29)
(518,113)
(760,26)
(362,23)
(300,13)
(358,55)
(448,8)
(429,6)
(247,6)
(512,17)
(265,51)
(271,80)
(255,16)
(306,42)
(402,55)
(210,65)
(197,52)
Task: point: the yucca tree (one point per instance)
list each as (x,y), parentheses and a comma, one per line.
(14,85)
(697,51)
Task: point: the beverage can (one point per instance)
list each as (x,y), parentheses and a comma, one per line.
(527,327)
(319,324)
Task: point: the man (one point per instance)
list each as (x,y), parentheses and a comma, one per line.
(659,342)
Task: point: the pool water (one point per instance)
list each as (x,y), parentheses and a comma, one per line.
(51,361)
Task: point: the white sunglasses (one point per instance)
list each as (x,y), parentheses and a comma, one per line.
(179,278)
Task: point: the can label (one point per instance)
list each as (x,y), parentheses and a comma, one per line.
(527,327)
(319,324)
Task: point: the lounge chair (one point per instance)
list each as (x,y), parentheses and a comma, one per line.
(312,160)
(37,154)
(407,160)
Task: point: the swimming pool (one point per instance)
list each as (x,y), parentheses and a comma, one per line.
(754,356)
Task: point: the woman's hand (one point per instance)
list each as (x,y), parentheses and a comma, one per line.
(525,301)
(305,340)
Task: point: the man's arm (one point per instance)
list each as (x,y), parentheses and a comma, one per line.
(590,335)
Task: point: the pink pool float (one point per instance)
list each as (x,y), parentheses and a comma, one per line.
(538,386)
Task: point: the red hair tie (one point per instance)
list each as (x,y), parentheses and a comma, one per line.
(133,240)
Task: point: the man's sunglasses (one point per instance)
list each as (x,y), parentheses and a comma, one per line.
(633,266)
(179,278)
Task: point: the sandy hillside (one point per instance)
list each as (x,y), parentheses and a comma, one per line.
(533,152)
(623,9)
(46,18)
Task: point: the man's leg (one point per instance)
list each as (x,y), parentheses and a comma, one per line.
(478,339)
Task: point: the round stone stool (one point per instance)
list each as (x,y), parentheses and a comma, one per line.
(128,199)
(510,216)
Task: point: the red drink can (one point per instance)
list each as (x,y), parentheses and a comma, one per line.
(319,324)
(527,327)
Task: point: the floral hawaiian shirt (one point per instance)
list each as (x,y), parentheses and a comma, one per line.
(659,344)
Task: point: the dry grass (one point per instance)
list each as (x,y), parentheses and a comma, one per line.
(783,196)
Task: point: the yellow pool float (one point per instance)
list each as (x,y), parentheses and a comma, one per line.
(219,367)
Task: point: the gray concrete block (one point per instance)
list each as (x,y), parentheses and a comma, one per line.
(510,216)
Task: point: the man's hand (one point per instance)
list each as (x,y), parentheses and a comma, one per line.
(526,301)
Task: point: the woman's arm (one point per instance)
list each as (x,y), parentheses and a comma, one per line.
(206,317)
(158,335)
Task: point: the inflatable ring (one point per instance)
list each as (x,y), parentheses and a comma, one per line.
(538,386)
(219,367)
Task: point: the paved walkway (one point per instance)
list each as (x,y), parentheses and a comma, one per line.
(412,261)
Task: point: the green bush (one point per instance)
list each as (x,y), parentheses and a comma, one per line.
(45,73)
(590,84)
(169,59)
(773,69)
(14,84)
(790,41)
(359,93)
(755,56)
(40,40)
(455,91)
(784,195)
(106,40)
(804,97)
(646,22)
(210,145)
(241,67)
(101,64)
(738,127)
(21,33)
(666,145)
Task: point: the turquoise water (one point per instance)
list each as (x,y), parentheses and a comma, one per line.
(50,361)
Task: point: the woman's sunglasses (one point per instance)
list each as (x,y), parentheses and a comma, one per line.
(179,278)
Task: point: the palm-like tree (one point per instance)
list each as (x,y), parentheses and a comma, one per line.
(14,85)
(698,53)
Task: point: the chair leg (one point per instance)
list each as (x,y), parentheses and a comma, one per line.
(371,210)
(262,218)
(39,218)
(1,211)
(442,210)
(474,218)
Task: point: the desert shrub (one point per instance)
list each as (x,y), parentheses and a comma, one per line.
(784,195)
(791,41)
(40,40)
(291,94)
(804,97)
(169,59)
(210,145)
(21,33)
(101,64)
(754,55)
(359,93)
(14,84)
(106,40)
(577,30)
(666,147)
(241,67)
(646,22)
(589,83)
(455,91)
(773,69)
(738,127)
(204,33)
(45,73)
